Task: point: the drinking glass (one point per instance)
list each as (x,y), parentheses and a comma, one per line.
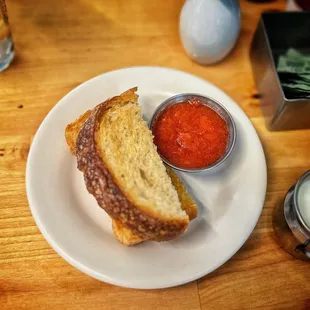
(6,42)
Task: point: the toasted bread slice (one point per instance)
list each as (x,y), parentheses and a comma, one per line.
(122,231)
(124,172)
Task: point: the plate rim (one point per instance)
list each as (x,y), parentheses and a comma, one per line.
(81,266)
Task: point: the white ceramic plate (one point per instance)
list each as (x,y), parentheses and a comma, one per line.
(230,201)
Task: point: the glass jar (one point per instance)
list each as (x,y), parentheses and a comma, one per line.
(291,219)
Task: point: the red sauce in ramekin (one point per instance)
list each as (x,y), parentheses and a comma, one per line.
(190,135)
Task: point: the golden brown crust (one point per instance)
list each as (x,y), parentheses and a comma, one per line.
(187,203)
(73,129)
(100,184)
(125,235)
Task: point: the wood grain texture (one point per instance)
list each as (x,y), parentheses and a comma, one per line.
(60,44)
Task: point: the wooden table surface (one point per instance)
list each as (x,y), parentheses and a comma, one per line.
(60,44)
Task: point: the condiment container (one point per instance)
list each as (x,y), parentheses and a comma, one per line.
(215,106)
(209,29)
(291,219)
(275,34)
